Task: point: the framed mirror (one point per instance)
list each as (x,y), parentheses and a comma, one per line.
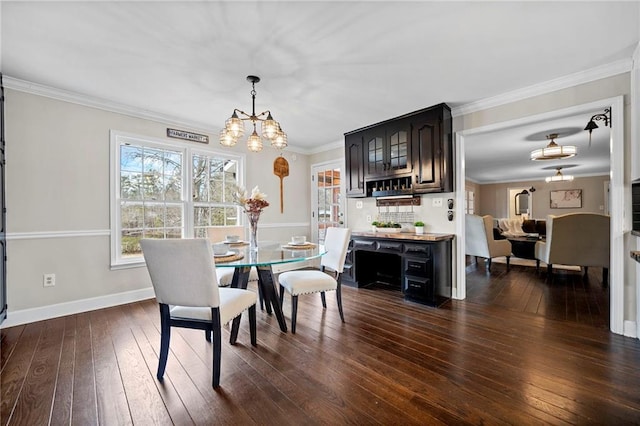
(522,202)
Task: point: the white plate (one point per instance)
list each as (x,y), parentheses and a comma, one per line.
(297,244)
(229,253)
(233,242)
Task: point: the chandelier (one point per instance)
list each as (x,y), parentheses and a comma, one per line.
(270,128)
(553,151)
(559,177)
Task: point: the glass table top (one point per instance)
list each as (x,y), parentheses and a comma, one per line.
(271,253)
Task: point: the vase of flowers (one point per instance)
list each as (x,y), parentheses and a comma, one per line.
(252,206)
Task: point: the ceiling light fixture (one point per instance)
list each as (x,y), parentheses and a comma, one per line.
(559,177)
(270,128)
(553,151)
(598,117)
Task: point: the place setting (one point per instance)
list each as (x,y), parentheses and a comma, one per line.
(299,243)
(234,240)
(222,253)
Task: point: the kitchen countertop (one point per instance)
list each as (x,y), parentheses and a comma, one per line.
(404,236)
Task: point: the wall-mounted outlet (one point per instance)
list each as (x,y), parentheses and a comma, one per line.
(437,202)
(369,218)
(358,204)
(49,280)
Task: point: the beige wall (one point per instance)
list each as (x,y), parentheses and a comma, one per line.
(494,196)
(58,196)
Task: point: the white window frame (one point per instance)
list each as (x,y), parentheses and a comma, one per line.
(117,138)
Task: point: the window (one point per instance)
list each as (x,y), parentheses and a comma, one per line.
(469,202)
(150,183)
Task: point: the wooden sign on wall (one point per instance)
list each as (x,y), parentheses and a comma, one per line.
(190,136)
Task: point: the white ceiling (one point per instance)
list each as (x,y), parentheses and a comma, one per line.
(326,67)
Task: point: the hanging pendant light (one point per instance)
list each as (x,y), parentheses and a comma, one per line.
(553,151)
(270,128)
(559,177)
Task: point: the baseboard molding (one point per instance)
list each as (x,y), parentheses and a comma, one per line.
(630,329)
(26,316)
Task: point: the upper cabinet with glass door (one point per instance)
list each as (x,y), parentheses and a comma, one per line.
(387,149)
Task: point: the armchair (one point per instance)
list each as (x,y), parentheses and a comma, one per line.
(581,239)
(480,242)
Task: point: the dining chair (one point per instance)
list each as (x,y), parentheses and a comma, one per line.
(184,280)
(328,278)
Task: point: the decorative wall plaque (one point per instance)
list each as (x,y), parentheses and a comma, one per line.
(190,136)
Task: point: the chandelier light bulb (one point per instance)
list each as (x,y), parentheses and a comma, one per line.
(270,128)
(280,140)
(254,142)
(234,126)
(226,139)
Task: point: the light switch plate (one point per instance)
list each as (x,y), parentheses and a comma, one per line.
(437,202)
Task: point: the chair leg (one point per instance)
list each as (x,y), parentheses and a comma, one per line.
(235,326)
(261,298)
(489,264)
(207,335)
(508,258)
(339,299)
(605,277)
(281,295)
(217,346)
(165,336)
(550,272)
(252,325)
(537,265)
(324,299)
(294,312)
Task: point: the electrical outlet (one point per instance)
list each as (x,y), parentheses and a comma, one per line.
(49,280)
(358,204)
(369,218)
(437,202)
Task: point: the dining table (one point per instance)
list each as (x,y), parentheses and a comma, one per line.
(242,258)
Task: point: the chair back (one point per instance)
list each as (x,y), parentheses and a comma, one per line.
(217,234)
(477,235)
(581,239)
(336,242)
(182,271)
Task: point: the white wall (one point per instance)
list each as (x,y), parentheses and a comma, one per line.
(57,190)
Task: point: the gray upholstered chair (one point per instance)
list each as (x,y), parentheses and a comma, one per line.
(318,281)
(479,241)
(184,280)
(580,239)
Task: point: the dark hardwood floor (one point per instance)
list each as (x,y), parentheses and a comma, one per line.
(393,362)
(567,296)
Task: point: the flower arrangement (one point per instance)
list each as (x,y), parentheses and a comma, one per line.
(252,206)
(255,203)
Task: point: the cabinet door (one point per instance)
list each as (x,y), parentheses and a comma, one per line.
(398,137)
(431,141)
(354,159)
(375,151)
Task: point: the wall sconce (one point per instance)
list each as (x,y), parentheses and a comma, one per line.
(599,117)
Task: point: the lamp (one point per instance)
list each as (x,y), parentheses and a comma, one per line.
(270,128)
(559,177)
(553,151)
(598,117)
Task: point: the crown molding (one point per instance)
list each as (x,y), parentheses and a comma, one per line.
(103,104)
(582,77)
(327,147)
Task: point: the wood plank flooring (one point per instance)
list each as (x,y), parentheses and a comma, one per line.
(392,362)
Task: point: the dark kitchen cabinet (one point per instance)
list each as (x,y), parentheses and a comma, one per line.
(354,159)
(420,269)
(432,146)
(416,148)
(388,149)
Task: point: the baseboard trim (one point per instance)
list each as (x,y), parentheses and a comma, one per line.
(26,316)
(630,329)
